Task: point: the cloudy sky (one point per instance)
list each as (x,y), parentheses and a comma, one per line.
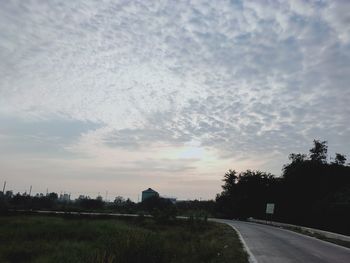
(120,96)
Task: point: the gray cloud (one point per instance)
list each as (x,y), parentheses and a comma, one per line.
(44,137)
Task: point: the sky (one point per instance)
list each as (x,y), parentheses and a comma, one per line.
(120,96)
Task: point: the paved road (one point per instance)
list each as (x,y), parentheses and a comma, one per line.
(271,244)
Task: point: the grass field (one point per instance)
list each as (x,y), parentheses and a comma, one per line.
(32,238)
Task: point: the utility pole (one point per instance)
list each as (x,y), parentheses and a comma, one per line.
(30,191)
(3,189)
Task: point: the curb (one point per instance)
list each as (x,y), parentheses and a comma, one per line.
(311,230)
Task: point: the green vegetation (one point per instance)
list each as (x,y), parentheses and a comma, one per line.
(29,238)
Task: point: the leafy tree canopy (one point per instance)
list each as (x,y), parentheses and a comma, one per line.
(318,153)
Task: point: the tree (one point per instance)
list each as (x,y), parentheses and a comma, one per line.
(319,152)
(245,194)
(119,201)
(340,159)
(87,203)
(230,179)
(53,196)
(297,160)
(297,157)
(161,209)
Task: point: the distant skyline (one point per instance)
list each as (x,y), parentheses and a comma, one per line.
(120,96)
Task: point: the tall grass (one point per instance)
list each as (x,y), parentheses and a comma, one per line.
(57,239)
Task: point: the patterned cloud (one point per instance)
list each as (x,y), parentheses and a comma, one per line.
(249,80)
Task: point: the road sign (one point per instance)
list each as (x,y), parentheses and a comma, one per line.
(270,208)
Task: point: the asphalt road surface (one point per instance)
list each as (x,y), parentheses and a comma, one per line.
(272,244)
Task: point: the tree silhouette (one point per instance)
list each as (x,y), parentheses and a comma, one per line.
(319,152)
(311,192)
(230,179)
(297,157)
(244,194)
(339,159)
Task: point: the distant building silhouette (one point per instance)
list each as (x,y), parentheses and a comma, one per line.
(64,197)
(148,193)
(171,199)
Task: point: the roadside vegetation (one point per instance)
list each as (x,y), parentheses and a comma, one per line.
(313,191)
(318,236)
(30,238)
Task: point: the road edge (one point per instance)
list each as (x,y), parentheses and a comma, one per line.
(300,234)
(251,257)
(326,234)
(285,228)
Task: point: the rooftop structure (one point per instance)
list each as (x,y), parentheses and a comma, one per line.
(148,193)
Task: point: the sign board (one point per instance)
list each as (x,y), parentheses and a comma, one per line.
(270,208)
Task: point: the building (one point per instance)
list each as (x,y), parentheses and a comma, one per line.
(170,199)
(64,197)
(148,193)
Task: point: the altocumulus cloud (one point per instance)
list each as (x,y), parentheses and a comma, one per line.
(245,80)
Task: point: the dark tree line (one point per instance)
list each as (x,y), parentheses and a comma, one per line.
(311,191)
(52,201)
(161,208)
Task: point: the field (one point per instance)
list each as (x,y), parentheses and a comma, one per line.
(33,238)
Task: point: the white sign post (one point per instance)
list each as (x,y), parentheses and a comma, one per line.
(270,208)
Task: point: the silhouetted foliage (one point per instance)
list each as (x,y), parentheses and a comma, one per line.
(119,201)
(310,192)
(202,208)
(245,195)
(318,153)
(161,209)
(230,179)
(339,159)
(90,204)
